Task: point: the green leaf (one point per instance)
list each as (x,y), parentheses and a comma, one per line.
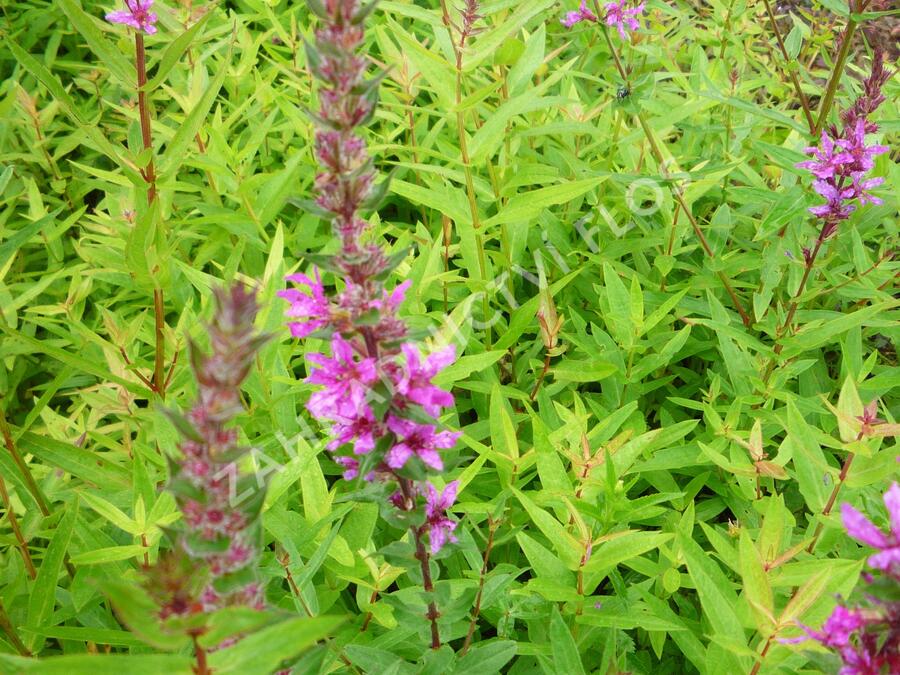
(174,51)
(99,664)
(565,652)
(564,543)
(593,370)
(530,204)
(717,597)
(487,657)
(177,147)
(110,554)
(110,512)
(808,459)
(264,651)
(43,593)
(93,467)
(756,584)
(606,557)
(619,299)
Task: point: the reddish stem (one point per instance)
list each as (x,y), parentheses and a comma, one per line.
(149,173)
(422,556)
(14,524)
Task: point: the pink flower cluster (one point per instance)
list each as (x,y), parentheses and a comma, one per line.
(618,14)
(137,15)
(887,543)
(867,637)
(219,531)
(376,387)
(843,158)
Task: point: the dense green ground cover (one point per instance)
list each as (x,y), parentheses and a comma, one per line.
(646,482)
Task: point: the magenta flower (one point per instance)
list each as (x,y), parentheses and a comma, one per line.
(826,162)
(857,155)
(837,206)
(314,306)
(419,440)
(863,530)
(350,465)
(391,302)
(136,14)
(579,15)
(440,527)
(346,381)
(838,627)
(618,14)
(362,426)
(861,187)
(413,379)
(840,164)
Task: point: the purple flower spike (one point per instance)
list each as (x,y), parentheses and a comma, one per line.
(136,15)
(419,440)
(314,306)
(440,527)
(583,13)
(863,530)
(618,14)
(842,159)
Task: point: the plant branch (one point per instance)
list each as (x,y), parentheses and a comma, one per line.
(159,366)
(10,630)
(14,524)
(834,80)
(804,102)
(201,667)
(842,477)
(148,173)
(492,529)
(30,482)
(422,556)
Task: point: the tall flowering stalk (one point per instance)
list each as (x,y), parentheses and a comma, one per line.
(866,636)
(138,16)
(839,166)
(220,507)
(376,385)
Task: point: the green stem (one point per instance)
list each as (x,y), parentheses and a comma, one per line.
(467,169)
(787,62)
(845,469)
(159,366)
(831,90)
(795,303)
